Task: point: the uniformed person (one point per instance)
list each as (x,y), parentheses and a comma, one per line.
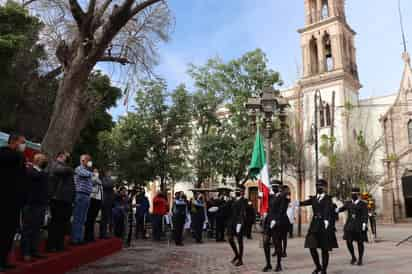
(355,228)
(236,224)
(276,225)
(321,234)
(179,216)
(220,219)
(199,217)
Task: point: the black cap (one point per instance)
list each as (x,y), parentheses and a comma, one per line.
(322,182)
(356,190)
(275,183)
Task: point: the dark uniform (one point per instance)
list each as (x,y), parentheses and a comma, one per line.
(199,216)
(180,212)
(236,226)
(356,225)
(221,216)
(321,232)
(276,227)
(250,219)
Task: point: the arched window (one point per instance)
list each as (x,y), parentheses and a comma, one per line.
(327,44)
(327,114)
(325,9)
(314,57)
(410,131)
(313,11)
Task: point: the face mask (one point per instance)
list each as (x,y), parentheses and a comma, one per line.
(355,197)
(320,190)
(275,189)
(21,147)
(89,164)
(43,165)
(96,174)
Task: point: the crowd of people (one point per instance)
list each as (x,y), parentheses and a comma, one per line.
(49,193)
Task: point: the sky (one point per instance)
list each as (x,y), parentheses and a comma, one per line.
(230,28)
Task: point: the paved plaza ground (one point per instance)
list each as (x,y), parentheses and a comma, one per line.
(146,257)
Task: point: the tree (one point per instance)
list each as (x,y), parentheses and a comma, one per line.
(153,142)
(221,116)
(85,33)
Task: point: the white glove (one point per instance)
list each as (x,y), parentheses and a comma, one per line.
(326,224)
(337,210)
(260,194)
(364,227)
(272,224)
(297,204)
(238,228)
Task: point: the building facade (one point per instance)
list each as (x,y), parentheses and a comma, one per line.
(330,71)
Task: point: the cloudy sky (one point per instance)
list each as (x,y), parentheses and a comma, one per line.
(229,28)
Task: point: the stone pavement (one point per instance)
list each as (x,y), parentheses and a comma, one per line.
(146,257)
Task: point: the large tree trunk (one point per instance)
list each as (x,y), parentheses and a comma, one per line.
(70,112)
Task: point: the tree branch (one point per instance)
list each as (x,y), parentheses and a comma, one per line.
(143,5)
(25,4)
(53,74)
(114,59)
(77,12)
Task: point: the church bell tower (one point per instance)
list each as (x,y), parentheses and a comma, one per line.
(329,68)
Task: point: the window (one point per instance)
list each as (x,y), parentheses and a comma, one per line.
(327,113)
(410,131)
(322,115)
(325,9)
(327,45)
(314,58)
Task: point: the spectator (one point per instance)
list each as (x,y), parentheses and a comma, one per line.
(84,187)
(12,170)
(160,208)
(96,198)
(142,211)
(108,198)
(35,208)
(61,193)
(120,210)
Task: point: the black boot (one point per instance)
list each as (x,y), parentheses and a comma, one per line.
(278,268)
(267,268)
(353,261)
(360,262)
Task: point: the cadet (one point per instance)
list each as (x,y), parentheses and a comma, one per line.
(356,225)
(276,225)
(321,234)
(236,225)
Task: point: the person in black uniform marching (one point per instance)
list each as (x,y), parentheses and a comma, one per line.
(250,219)
(356,225)
(321,234)
(236,225)
(220,219)
(180,213)
(276,225)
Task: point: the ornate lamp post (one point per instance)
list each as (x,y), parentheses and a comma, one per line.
(267,104)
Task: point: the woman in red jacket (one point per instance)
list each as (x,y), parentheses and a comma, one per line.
(160,208)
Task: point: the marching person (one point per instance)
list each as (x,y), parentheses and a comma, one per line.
(321,234)
(276,225)
(199,217)
(160,208)
(220,219)
(236,225)
(250,219)
(180,213)
(355,228)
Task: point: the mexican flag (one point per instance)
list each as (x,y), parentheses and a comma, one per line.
(259,170)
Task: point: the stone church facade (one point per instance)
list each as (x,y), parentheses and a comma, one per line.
(330,70)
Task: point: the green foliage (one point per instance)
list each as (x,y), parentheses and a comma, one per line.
(154,140)
(226,87)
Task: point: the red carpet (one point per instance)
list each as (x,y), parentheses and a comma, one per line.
(59,263)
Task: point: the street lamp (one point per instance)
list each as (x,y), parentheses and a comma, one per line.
(267,104)
(318,103)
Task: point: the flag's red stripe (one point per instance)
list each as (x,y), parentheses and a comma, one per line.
(264,202)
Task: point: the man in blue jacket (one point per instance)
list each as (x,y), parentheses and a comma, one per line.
(83,180)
